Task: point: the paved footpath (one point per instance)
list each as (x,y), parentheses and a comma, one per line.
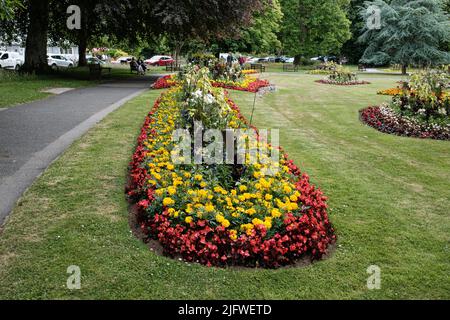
(33,135)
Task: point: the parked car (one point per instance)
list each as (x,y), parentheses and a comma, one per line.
(264,60)
(289,60)
(10,60)
(125,60)
(95,60)
(160,61)
(326,59)
(56,61)
(252,60)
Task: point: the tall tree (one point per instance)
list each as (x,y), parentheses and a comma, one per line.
(353,49)
(184,20)
(314,27)
(411,33)
(99,18)
(36,43)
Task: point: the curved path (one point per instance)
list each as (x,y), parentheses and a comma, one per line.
(33,135)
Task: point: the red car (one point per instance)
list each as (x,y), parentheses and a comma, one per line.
(159,61)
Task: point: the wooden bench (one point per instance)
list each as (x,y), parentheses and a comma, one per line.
(173,67)
(290,67)
(361,67)
(258,66)
(96,70)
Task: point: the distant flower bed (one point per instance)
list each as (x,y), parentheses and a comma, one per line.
(249,84)
(386,120)
(342,77)
(419,108)
(222,215)
(345,83)
(390,92)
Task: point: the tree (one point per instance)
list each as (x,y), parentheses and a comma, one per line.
(411,33)
(36,43)
(353,49)
(8,7)
(184,20)
(262,35)
(99,18)
(314,27)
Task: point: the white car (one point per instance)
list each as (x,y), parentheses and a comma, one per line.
(252,60)
(56,61)
(125,60)
(10,60)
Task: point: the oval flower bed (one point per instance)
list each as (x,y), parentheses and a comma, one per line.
(201,214)
(249,84)
(384,119)
(345,83)
(420,108)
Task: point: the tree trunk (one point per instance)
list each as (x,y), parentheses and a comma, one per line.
(82,48)
(404,68)
(36,43)
(83,35)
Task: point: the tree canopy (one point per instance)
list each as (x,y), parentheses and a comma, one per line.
(411,33)
(314,27)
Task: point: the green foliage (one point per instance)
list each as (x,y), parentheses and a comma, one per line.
(201,101)
(411,33)
(425,97)
(314,27)
(352,49)
(342,75)
(261,36)
(7,8)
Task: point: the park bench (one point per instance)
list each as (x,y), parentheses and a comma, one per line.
(362,67)
(96,70)
(173,67)
(290,67)
(258,66)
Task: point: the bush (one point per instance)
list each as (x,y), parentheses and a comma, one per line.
(424,97)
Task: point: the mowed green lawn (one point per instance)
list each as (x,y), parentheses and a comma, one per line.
(389,202)
(15,89)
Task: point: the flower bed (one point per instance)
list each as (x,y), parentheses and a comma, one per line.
(346,83)
(202,214)
(390,92)
(384,119)
(249,84)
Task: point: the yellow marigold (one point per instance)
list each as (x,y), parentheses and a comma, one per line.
(210,207)
(170,167)
(269,197)
(287,189)
(172,190)
(220,218)
(189,220)
(167,202)
(198,177)
(243,188)
(226,223)
(276,213)
(233,235)
(257,222)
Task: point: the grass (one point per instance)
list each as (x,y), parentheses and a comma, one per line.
(16,89)
(389,200)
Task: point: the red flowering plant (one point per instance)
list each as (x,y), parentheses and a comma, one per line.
(222,215)
(221,76)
